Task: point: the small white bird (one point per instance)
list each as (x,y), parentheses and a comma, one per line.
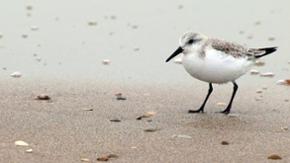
(216,61)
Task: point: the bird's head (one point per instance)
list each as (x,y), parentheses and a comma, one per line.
(187,43)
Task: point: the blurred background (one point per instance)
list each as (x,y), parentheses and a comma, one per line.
(52,39)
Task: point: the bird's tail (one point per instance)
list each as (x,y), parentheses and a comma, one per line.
(266,51)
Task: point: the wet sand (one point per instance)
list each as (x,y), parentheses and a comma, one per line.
(59,46)
(62,130)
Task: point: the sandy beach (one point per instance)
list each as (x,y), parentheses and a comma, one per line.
(102,64)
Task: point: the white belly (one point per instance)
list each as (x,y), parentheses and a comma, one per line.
(215,67)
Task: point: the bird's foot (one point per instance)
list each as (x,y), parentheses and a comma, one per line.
(226,111)
(195,111)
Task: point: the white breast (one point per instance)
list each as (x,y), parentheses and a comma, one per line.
(215,66)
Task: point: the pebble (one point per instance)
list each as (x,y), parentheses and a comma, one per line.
(285,128)
(24,36)
(106,62)
(85,160)
(29,7)
(134,26)
(146,115)
(267,74)
(136,49)
(241,32)
(257,23)
(182,136)
(115,120)
(274,157)
(21,143)
(16,74)
(225,143)
(87,109)
(254,72)
(113,17)
(260,63)
(271,39)
(34,28)
(250,37)
(180,7)
(221,104)
(92,23)
(29,150)
(1,35)
(259,91)
(119,96)
(107,157)
(151,130)
(178,60)
(43,97)
(283,82)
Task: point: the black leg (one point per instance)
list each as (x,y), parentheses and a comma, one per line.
(228,109)
(204,102)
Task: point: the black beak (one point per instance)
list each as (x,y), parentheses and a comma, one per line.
(177,51)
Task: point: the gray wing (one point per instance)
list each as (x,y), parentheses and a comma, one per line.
(234,49)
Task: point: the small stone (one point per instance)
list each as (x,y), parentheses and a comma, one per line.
(257,23)
(29,150)
(221,104)
(274,157)
(271,39)
(136,49)
(92,23)
(4,68)
(151,130)
(283,82)
(286,100)
(134,26)
(106,62)
(182,136)
(233,115)
(87,109)
(85,160)
(180,7)
(259,91)
(113,17)
(284,128)
(250,37)
(254,72)
(29,7)
(260,63)
(119,96)
(146,115)
(107,157)
(115,120)
(1,35)
(24,36)
(43,97)
(16,74)
(113,156)
(267,74)
(21,143)
(34,28)
(103,158)
(178,60)
(241,32)
(225,143)
(264,88)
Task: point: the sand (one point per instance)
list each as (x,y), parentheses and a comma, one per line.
(63,130)
(59,48)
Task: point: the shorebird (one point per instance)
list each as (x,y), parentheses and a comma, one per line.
(216,61)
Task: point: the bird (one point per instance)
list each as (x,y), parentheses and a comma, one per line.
(216,61)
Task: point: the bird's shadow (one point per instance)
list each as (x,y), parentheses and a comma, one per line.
(219,121)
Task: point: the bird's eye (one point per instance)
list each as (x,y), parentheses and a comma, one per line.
(191,41)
